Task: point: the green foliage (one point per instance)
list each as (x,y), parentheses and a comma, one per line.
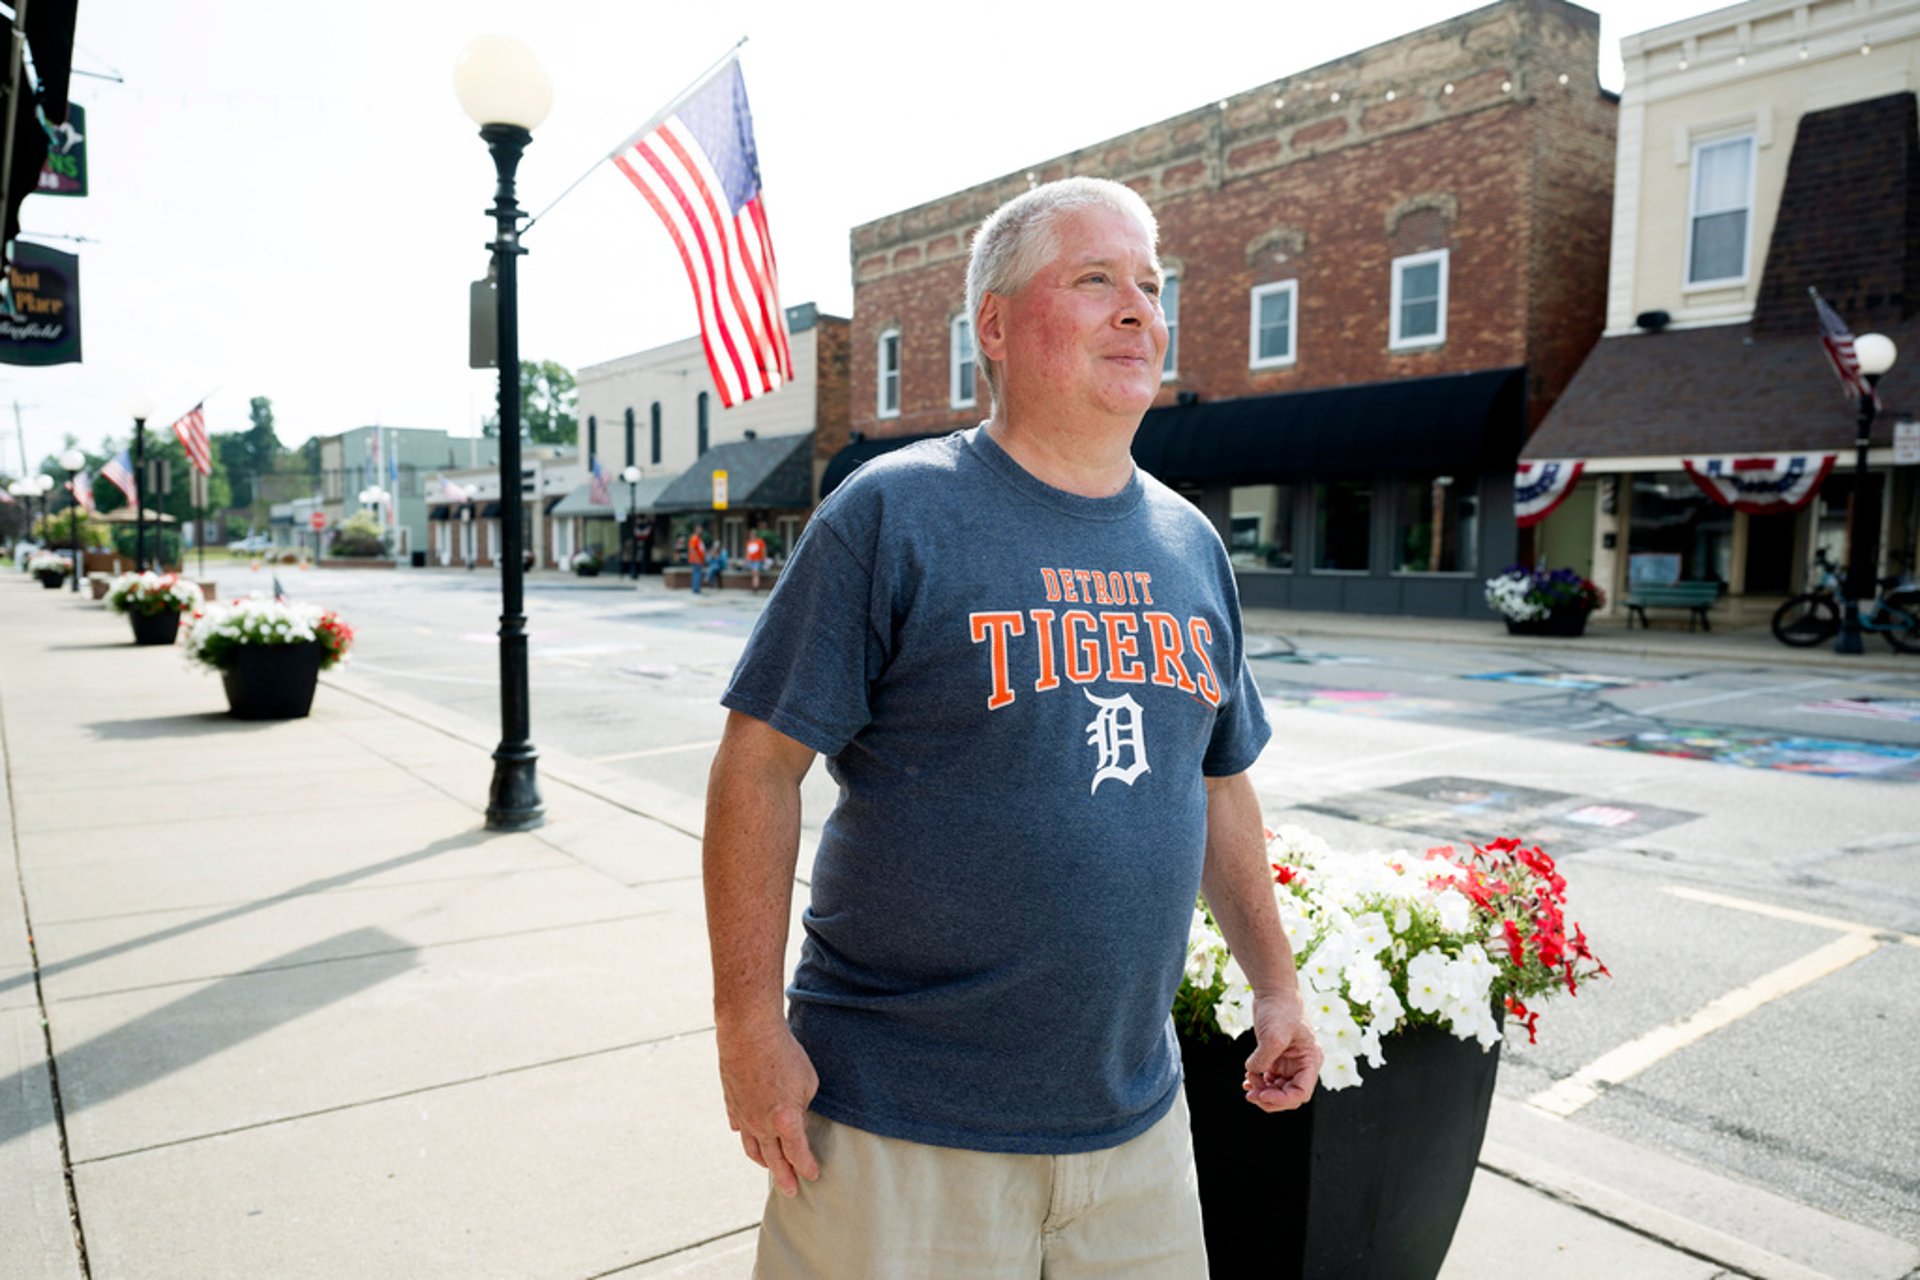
(56,530)
(361,536)
(163,542)
(548,399)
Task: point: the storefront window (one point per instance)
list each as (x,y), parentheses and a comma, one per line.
(1437,526)
(1342,522)
(1262,527)
(1673,518)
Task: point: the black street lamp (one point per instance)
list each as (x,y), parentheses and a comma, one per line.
(506,93)
(71,462)
(1876,354)
(632,476)
(141,409)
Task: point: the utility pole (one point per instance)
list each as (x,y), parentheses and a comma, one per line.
(20,434)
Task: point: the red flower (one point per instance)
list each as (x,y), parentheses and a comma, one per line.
(1516,947)
(1283,873)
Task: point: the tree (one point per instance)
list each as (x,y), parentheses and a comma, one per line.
(548,396)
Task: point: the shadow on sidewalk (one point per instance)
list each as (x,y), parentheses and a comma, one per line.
(91,646)
(464,840)
(197,724)
(202,1023)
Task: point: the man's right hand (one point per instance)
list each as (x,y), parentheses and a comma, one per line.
(769,1081)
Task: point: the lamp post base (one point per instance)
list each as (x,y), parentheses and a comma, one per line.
(513,802)
(1849,640)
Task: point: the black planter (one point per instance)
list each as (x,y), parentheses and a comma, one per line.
(155,628)
(51,581)
(1365,1183)
(1560,622)
(272,681)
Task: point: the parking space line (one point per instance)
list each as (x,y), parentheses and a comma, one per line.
(1635,1056)
(655,751)
(1789,913)
(1738,693)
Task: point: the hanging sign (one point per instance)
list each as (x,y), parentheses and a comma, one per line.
(45,325)
(719,491)
(1906,443)
(65,172)
(1761,485)
(1539,487)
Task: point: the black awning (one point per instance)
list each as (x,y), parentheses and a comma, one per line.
(769,472)
(1463,422)
(488,511)
(441,512)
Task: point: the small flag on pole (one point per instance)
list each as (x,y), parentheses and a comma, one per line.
(700,171)
(597,490)
(1838,341)
(120,471)
(81,486)
(279,592)
(453,492)
(192,430)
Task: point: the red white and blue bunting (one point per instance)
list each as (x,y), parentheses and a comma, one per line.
(1539,487)
(1761,485)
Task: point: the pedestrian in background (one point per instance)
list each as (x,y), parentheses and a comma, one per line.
(697,554)
(756,555)
(1041,740)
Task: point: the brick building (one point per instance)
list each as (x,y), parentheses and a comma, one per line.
(1382,272)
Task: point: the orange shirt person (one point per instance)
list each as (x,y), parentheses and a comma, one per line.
(697,557)
(756,555)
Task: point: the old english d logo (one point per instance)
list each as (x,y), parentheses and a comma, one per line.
(1117,732)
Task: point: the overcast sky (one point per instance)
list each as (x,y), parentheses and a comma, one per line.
(288,201)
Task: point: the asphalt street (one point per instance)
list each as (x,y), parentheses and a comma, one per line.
(1741,839)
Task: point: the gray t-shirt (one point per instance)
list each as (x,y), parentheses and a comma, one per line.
(1020,692)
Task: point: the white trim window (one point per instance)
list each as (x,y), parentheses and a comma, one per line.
(1272,311)
(962,362)
(1419,305)
(1720,212)
(1170,309)
(887,398)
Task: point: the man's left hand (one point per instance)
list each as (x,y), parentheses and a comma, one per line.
(1286,1062)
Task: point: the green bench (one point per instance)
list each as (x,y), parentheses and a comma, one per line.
(1695,596)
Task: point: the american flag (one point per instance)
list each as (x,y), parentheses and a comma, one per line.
(597,492)
(120,471)
(700,171)
(453,492)
(1838,341)
(81,486)
(192,430)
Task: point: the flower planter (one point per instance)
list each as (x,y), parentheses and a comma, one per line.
(1363,1183)
(155,628)
(51,581)
(272,681)
(1560,622)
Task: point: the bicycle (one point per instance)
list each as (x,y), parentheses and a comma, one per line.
(1813,617)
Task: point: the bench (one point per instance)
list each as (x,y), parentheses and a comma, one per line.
(1695,596)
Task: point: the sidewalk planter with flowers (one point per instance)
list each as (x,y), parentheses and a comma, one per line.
(269,653)
(153,603)
(1543,602)
(52,570)
(1409,963)
(586,565)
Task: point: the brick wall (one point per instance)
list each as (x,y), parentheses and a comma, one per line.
(1460,136)
(830,395)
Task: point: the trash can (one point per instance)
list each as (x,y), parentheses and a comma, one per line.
(419,559)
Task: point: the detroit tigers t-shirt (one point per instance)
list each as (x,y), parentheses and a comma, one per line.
(1020,692)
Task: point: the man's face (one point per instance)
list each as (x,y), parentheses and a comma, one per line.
(1086,333)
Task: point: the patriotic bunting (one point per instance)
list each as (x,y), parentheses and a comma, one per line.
(1539,487)
(1762,485)
(699,170)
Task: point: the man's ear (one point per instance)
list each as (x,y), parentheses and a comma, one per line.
(990,328)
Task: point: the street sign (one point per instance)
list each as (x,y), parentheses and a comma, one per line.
(318,521)
(1906,443)
(719,491)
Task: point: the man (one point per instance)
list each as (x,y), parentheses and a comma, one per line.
(697,555)
(1023,661)
(756,554)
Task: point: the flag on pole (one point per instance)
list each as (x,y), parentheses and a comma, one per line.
(1838,341)
(279,592)
(597,490)
(81,487)
(192,430)
(6,499)
(700,172)
(120,471)
(453,492)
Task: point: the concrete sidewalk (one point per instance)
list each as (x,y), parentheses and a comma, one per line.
(272,1004)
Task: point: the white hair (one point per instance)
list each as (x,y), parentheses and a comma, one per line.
(1017,240)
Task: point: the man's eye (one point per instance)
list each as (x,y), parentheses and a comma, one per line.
(1096,277)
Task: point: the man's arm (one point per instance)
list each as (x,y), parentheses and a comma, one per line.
(747,857)
(1239,889)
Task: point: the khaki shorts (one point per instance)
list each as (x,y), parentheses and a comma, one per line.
(886,1209)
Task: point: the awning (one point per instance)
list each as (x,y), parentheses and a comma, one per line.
(1464,423)
(579,501)
(1718,392)
(441,511)
(775,472)
(488,511)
